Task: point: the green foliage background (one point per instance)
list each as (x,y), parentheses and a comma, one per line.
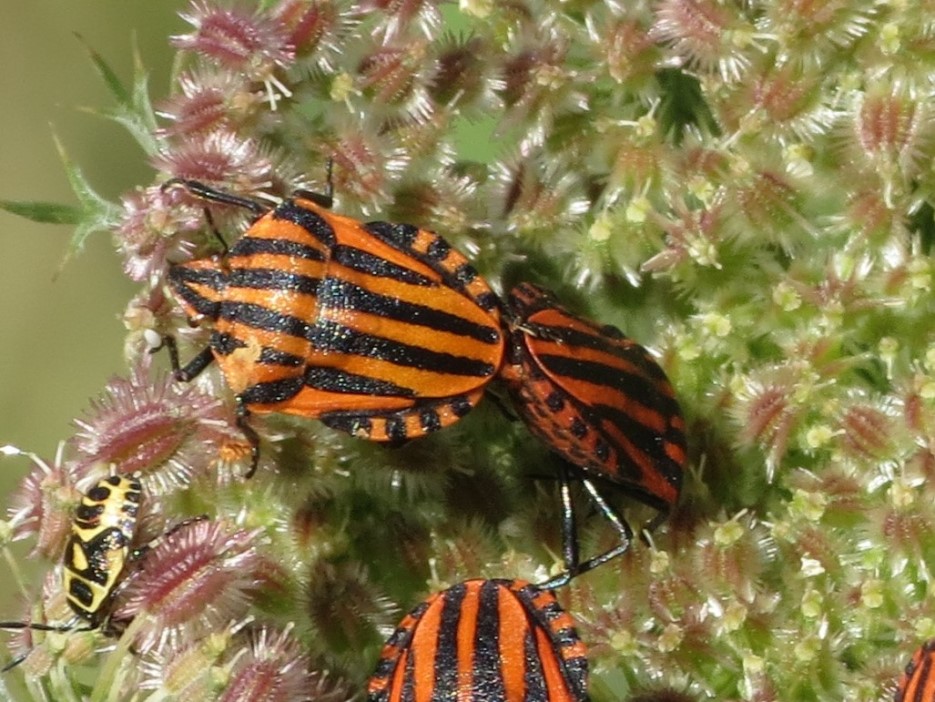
(61,337)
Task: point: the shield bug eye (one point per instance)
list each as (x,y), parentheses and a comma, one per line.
(601,403)
(380,330)
(484,640)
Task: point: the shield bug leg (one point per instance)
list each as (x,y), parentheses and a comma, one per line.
(190,370)
(253,439)
(325,199)
(570,548)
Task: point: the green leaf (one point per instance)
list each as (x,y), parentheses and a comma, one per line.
(110,78)
(44,212)
(94,213)
(133,111)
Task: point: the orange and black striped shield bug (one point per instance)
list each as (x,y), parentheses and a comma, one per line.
(917,683)
(600,402)
(97,554)
(380,330)
(484,641)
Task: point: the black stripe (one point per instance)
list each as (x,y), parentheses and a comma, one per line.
(399,236)
(647,439)
(445,664)
(210,277)
(486,666)
(273,357)
(311,222)
(395,428)
(409,680)
(273,279)
(634,386)
(629,351)
(460,405)
(79,591)
(271,392)
(576,673)
(252,245)
(260,317)
(488,301)
(368,263)
(533,678)
(329,336)
(335,380)
(336,293)
(179,279)
(429,420)
(464,274)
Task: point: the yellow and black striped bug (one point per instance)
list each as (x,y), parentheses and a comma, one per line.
(97,554)
(599,401)
(377,329)
(484,641)
(917,683)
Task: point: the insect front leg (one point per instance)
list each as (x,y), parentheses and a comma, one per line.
(190,370)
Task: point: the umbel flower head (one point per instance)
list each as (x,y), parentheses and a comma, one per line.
(743,188)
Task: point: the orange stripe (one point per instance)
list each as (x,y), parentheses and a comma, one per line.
(415,335)
(424,649)
(514,627)
(268,228)
(437,297)
(265,339)
(552,669)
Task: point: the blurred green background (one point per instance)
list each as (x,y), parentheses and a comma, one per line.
(62,336)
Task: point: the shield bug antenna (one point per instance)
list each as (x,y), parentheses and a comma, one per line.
(380,330)
(602,404)
(97,554)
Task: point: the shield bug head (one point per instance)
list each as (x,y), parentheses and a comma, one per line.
(484,640)
(599,401)
(377,329)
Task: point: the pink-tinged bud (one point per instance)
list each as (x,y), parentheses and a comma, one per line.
(766,414)
(152,232)
(219,157)
(893,130)
(206,102)
(363,167)
(43,505)
(393,76)
(152,424)
(628,50)
(253,43)
(273,669)
(192,583)
(460,76)
(345,608)
(400,14)
(703,35)
(867,432)
(813,32)
(317,27)
(868,214)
